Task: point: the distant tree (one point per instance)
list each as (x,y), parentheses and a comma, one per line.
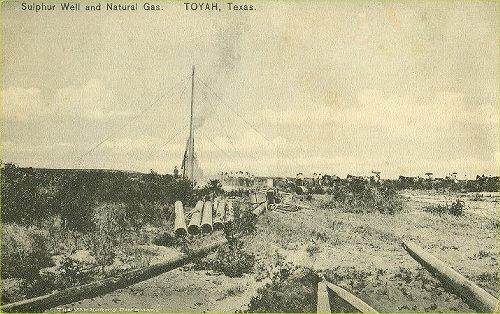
(23,199)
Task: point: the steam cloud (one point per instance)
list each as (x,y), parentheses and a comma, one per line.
(223,68)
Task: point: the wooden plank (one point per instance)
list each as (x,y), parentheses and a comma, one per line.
(323,302)
(472,294)
(107,285)
(350,298)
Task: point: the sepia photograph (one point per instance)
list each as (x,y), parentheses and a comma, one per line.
(259,156)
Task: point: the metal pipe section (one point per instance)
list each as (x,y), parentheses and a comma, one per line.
(195,222)
(180,229)
(206,220)
(472,294)
(219,215)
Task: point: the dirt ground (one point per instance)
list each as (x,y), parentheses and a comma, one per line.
(175,291)
(359,252)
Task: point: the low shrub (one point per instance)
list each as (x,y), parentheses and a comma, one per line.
(456,208)
(111,225)
(73,270)
(24,251)
(245,224)
(364,197)
(292,292)
(229,260)
(167,239)
(14,290)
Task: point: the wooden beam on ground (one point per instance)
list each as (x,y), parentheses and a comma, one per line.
(323,302)
(471,293)
(107,285)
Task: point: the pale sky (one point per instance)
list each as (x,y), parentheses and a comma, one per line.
(332,87)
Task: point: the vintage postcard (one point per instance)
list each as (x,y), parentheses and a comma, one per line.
(250,156)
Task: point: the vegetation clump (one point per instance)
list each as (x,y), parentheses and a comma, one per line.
(291,290)
(360,196)
(49,213)
(456,208)
(24,251)
(230,260)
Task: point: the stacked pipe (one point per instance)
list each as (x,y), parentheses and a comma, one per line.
(195,222)
(206,220)
(220,212)
(180,228)
(257,198)
(205,217)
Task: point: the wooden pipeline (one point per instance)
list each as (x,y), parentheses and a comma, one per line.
(354,303)
(472,294)
(107,285)
(323,301)
(260,209)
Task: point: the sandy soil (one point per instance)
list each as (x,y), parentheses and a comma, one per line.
(483,204)
(175,291)
(359,252)
(362,254)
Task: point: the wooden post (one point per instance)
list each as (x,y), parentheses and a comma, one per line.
(350,299)
(323,302)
